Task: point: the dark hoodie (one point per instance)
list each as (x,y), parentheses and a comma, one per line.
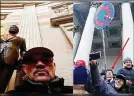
(55,86)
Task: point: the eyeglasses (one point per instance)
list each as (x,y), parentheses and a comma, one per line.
(33,60)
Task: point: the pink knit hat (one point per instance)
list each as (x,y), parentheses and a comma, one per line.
(80,63)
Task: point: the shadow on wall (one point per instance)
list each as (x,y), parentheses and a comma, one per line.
(80,13)
(132,8)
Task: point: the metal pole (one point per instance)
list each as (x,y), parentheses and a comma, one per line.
(104,49)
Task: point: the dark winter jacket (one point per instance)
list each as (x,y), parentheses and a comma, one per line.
(56,86)
(129,75)
(88,86)
(80,75)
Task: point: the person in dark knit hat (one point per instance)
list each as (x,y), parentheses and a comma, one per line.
(128,72)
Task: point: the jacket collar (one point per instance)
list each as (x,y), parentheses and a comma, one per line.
(128,68)
(53,86)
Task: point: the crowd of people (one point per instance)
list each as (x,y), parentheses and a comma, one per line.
(38,71)
(107,83)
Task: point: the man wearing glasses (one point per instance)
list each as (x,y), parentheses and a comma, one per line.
(39,69)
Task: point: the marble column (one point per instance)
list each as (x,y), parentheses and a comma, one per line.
(85,45)
(128,31)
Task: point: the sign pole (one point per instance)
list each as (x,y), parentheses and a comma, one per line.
(104,49)
(103,18)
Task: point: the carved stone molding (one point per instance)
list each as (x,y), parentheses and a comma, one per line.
(63,9)
(95,4)
(60,5)
(61,20)
(3,16)
(68,31)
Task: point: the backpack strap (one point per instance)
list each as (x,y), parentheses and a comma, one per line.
(5,41)
(9,39)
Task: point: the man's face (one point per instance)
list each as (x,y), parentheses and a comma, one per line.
(40,69)
(128,64)
(118,83)
(109,75)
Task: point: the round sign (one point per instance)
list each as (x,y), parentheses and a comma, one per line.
(104,15)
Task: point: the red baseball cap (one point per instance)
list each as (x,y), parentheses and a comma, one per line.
(80,63)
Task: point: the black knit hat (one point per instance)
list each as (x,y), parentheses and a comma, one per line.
(122,77)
